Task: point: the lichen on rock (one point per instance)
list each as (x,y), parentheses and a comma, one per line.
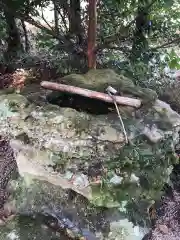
(66,140)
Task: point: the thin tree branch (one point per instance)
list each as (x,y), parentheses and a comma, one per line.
(37,24)
(167,44)
(25,36)
(43,18)
(63,19)
(40,26)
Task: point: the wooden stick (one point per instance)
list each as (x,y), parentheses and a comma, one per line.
(133,102)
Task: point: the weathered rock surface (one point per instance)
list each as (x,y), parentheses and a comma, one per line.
(171,94)
(53,143)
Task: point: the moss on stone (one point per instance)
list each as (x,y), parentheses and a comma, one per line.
(100,79)
(67,137)
(151,164)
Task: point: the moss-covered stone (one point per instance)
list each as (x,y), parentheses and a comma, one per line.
(100,79)
(143,169)
(74,140)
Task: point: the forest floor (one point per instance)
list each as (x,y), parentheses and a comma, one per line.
(167,225)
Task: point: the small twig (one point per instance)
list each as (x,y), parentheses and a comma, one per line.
(63,19)
(120,118)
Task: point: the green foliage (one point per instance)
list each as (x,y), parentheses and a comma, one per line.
(3,36)
(150,164)
(173,60)
(2,28)
(116,29)
(166,19)
(45,41)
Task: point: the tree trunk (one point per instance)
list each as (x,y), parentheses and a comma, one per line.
(140,43)
(92,34)
(14,41)
(56,17)
(75,26)
(26,40)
